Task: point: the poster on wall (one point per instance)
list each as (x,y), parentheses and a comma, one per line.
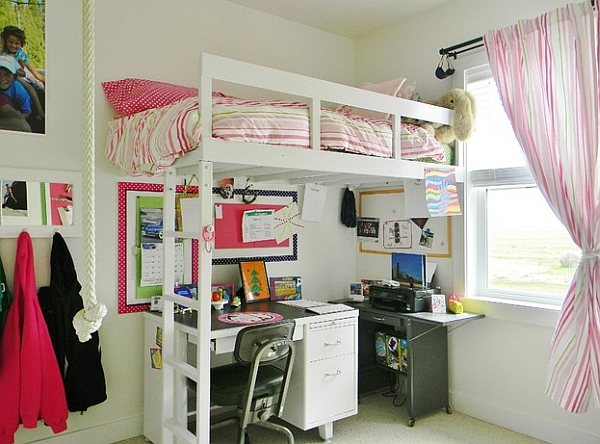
(32,203)
(22,63)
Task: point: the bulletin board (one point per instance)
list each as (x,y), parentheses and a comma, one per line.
(132,196)
(431,236)
(229,247)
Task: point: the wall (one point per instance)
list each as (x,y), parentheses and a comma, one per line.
(499,364)
(151,39)
(167,42)
(60,148)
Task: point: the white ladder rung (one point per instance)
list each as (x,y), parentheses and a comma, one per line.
(194,304)
(182,433)
(182,367)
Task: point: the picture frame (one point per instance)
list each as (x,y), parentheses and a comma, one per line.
(285,288)
(227,292)
(255,283)
(53,201)
(410,270)
(355,289)
(366,286)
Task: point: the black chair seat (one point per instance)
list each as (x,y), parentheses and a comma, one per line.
(257,383)
(229,383)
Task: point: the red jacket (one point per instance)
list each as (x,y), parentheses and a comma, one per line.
(30,382)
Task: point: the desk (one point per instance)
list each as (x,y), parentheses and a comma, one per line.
(324,383)
(426,376)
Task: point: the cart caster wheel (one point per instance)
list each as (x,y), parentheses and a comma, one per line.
(411,422)
(448,409)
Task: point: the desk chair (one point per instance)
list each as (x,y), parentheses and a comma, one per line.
(257,383)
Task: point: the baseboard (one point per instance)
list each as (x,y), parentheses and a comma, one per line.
(101,434)
(522,422)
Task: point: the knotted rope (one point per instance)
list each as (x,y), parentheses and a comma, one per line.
(88,320)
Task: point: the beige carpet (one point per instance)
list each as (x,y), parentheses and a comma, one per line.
(378,421)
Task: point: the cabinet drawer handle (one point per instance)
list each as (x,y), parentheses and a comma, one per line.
(378,318)
(331,344)
(334,373)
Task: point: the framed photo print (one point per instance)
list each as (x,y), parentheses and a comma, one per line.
(223,292)
(255,284)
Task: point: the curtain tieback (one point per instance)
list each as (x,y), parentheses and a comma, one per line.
(590,254)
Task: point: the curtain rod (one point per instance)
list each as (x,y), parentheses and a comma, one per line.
(450,51)
(469,45)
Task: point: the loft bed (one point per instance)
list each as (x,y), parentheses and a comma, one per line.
(211,158)
(161,125)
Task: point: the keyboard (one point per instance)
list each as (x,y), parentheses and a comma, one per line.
(329,308)
(317,307)
(302,303)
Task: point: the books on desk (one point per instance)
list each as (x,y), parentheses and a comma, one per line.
(317,306)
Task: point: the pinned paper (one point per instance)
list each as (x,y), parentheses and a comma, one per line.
(414,199)
(314,202)
(257,225)
(286,222)
(440,192)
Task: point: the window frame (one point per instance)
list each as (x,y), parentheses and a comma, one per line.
(477,184)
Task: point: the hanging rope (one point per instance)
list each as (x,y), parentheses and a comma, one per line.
(89,319)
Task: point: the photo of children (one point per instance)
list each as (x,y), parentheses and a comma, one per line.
(22,62)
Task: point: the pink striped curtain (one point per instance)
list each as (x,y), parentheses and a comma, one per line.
(547,74)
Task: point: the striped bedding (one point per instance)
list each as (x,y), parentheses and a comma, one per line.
(147,142)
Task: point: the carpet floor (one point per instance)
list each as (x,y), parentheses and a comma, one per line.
(380,421)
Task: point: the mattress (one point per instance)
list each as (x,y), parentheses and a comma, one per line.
(148,142)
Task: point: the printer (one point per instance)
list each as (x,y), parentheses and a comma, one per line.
(398,298)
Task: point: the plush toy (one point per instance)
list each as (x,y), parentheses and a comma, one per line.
(454,304)
(465,107)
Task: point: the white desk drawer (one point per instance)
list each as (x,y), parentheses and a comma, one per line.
(331,338)
(332,389)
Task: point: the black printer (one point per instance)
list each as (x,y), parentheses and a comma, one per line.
(392,298)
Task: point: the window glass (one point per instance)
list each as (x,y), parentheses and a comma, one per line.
(518,249)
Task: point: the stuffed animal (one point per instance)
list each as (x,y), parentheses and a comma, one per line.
(465,108)
(454,304)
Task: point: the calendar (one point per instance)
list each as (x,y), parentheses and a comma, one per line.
(152,264)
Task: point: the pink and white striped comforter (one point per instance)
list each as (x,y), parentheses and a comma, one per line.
(148,142)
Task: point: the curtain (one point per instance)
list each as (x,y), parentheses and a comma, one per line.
(547,75)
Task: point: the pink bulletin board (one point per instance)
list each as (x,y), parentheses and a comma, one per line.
(129,244)
(229,248)
(229,227)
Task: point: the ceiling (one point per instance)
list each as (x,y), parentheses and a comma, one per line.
(348,18)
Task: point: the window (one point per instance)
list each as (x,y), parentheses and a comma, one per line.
(517,249)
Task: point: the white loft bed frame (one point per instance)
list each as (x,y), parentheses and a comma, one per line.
(216,158)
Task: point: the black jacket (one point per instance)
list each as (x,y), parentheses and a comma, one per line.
(79,362)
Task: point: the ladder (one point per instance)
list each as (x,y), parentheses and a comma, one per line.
(177,371)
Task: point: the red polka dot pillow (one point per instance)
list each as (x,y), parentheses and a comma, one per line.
(131,96)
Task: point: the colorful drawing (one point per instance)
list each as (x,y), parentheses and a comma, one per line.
(440,192)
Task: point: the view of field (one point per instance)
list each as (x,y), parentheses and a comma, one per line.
(532,261)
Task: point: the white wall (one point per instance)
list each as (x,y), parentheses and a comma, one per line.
(165,44)
(498,365)
(60,148)
(160,41)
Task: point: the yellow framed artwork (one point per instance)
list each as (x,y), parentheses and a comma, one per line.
(255,283)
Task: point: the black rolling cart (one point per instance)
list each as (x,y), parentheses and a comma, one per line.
(425,373)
